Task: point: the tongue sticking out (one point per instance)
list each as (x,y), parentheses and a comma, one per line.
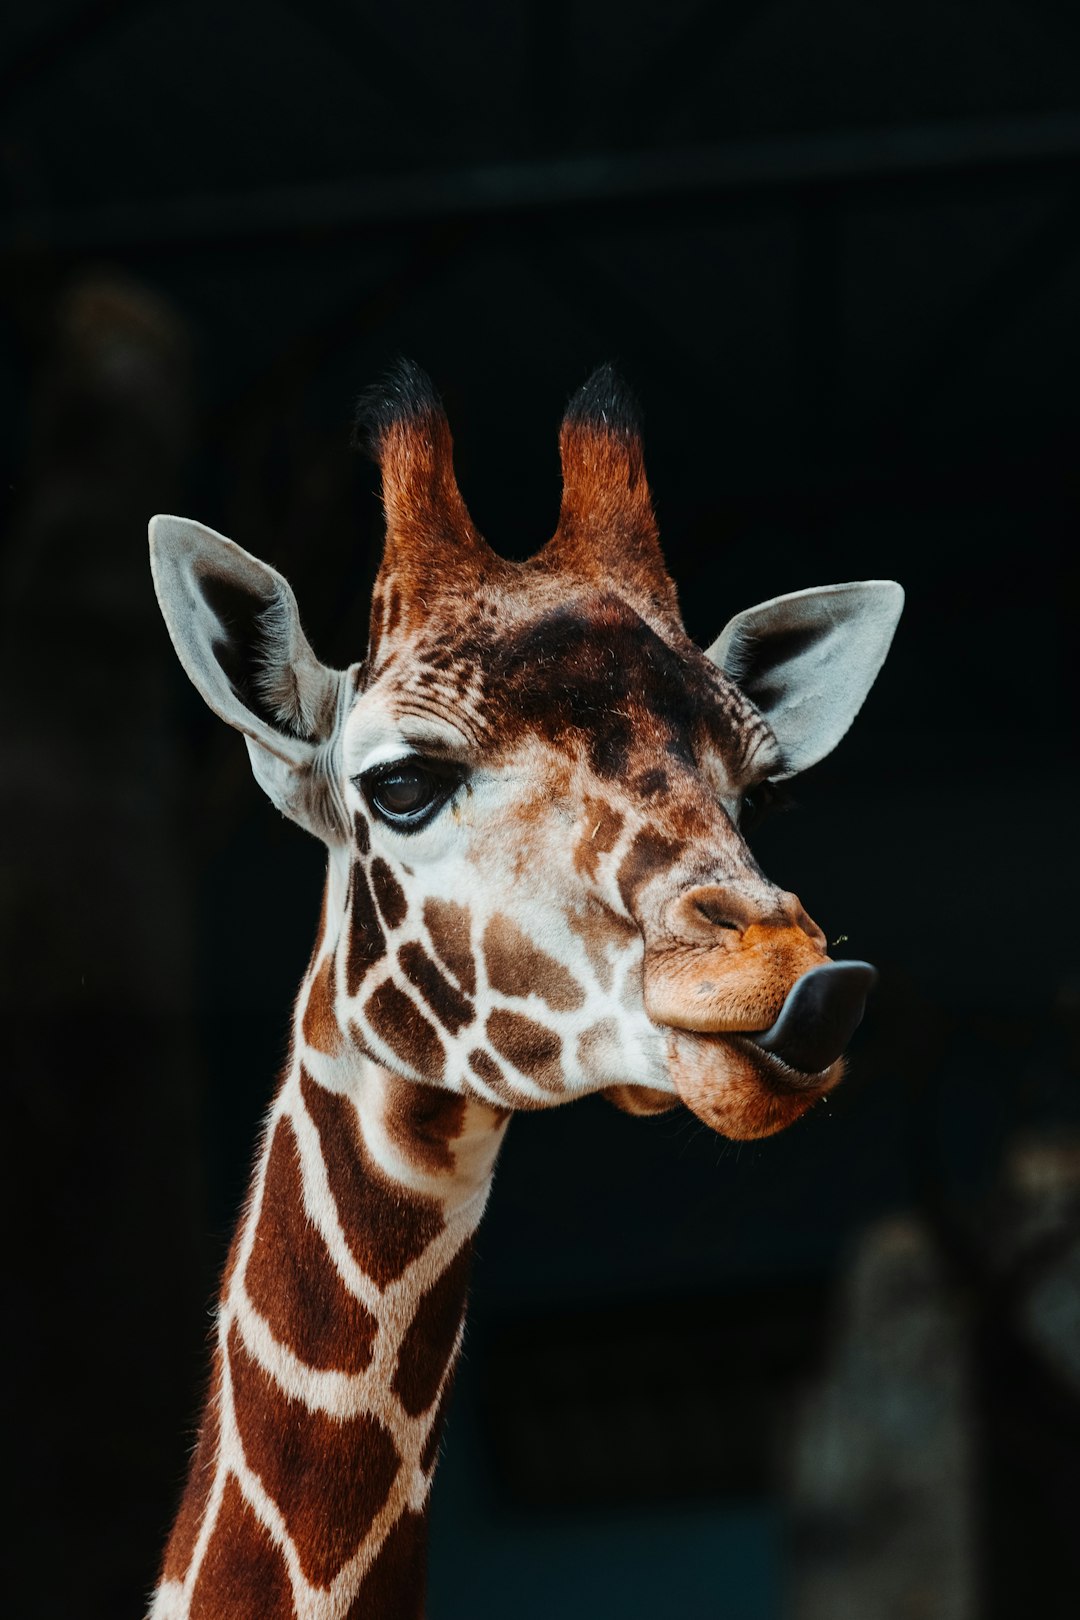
(822,1011)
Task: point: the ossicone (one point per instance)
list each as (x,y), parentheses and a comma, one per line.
(401,423)
(605,403)
(607,527)
(405,397)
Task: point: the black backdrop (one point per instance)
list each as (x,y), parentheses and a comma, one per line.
(835,249)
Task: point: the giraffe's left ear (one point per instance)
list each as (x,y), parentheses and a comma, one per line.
(808,660)
(236,629)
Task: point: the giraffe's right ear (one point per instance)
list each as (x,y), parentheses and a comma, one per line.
(236,629)
(808,659)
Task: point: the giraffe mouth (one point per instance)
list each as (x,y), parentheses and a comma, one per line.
(740,1090)
(777,1070)
(774,1071)
(753,1083)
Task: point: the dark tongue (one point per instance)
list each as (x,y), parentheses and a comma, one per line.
(823,1010)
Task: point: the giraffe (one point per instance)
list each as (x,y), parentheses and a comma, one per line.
(534,791)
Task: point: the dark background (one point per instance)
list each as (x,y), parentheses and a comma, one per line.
(836,250)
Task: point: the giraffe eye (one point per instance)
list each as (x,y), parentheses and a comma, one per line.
(409,794)
(751,810)
(760,802)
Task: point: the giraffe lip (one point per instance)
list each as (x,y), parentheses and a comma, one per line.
(781,1075)
(822,1011)
(771,1067)
(739,1089)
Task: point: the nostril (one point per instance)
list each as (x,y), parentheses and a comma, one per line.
(712,913)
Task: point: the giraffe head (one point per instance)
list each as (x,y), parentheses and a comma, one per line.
(534,787)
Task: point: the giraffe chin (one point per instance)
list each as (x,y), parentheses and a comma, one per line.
(640,1100)
(740,1090)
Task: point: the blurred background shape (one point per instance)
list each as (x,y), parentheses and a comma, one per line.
(836,251)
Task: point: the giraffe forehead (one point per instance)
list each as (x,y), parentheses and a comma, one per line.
(589,671)
(599,672)
(385,724)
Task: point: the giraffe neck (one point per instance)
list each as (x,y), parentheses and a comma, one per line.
(340,1318)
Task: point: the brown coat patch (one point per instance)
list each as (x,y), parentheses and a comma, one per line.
(367,943)
(329,1476)
(426,1347)
(484,1065)
(385,1224)
(649,854)
(393,610)
(598,1042)
(450,928)
(320,1026)
(422,1121)
(242,1575)
(530,1047)
(200,1480)
(389,893)
(602,828)
(398,1021)
(453,1009)
(323,919)
(651,782)
(394,1587)
(291,1279)
(599,928)
(515,966)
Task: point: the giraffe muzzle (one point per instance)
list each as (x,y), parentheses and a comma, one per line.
(822,1011)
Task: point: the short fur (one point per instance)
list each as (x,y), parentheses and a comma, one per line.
(581,914)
